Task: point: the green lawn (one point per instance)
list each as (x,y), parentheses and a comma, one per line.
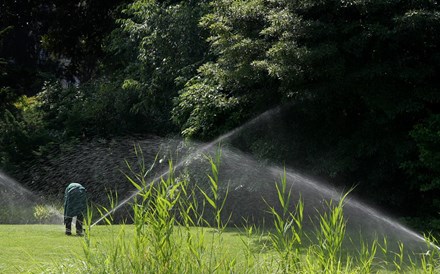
(45,249)
(37,248)
(34,248)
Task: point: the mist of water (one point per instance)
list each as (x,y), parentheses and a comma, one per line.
(359,215)
(101,163)
(198,151)
(246,176)
(17,203)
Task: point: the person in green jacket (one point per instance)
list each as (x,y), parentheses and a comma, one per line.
(75,204)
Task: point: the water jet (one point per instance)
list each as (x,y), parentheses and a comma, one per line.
(243,173)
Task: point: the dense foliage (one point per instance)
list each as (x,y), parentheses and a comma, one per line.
(360,78)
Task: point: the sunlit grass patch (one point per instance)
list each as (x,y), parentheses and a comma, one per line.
(31,248)
(45,249)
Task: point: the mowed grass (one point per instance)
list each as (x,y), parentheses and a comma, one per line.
(45,248)
(34,248)
(24,248)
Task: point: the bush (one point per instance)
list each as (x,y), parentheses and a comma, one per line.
(47,214)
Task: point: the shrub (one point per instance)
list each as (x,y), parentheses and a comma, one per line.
(47,214)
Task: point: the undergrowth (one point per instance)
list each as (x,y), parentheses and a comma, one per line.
(173,234)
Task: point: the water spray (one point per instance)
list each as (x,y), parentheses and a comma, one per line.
(317,191)
(197,152)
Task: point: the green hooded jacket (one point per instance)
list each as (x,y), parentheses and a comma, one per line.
(75,200)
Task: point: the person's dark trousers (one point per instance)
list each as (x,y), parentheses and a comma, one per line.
(79,224)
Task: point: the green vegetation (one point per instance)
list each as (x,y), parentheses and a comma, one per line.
(47,214)
(45,249)
(360,79)
(166,238)
(34,248)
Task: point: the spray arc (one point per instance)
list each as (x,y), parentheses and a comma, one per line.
(312,190)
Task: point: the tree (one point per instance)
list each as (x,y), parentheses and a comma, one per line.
(230,88)
(361,76)
(43,42)
(371,69)
(74,34)
(19,34)
(157,48)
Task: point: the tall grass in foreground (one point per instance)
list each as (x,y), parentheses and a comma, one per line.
(173,234)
